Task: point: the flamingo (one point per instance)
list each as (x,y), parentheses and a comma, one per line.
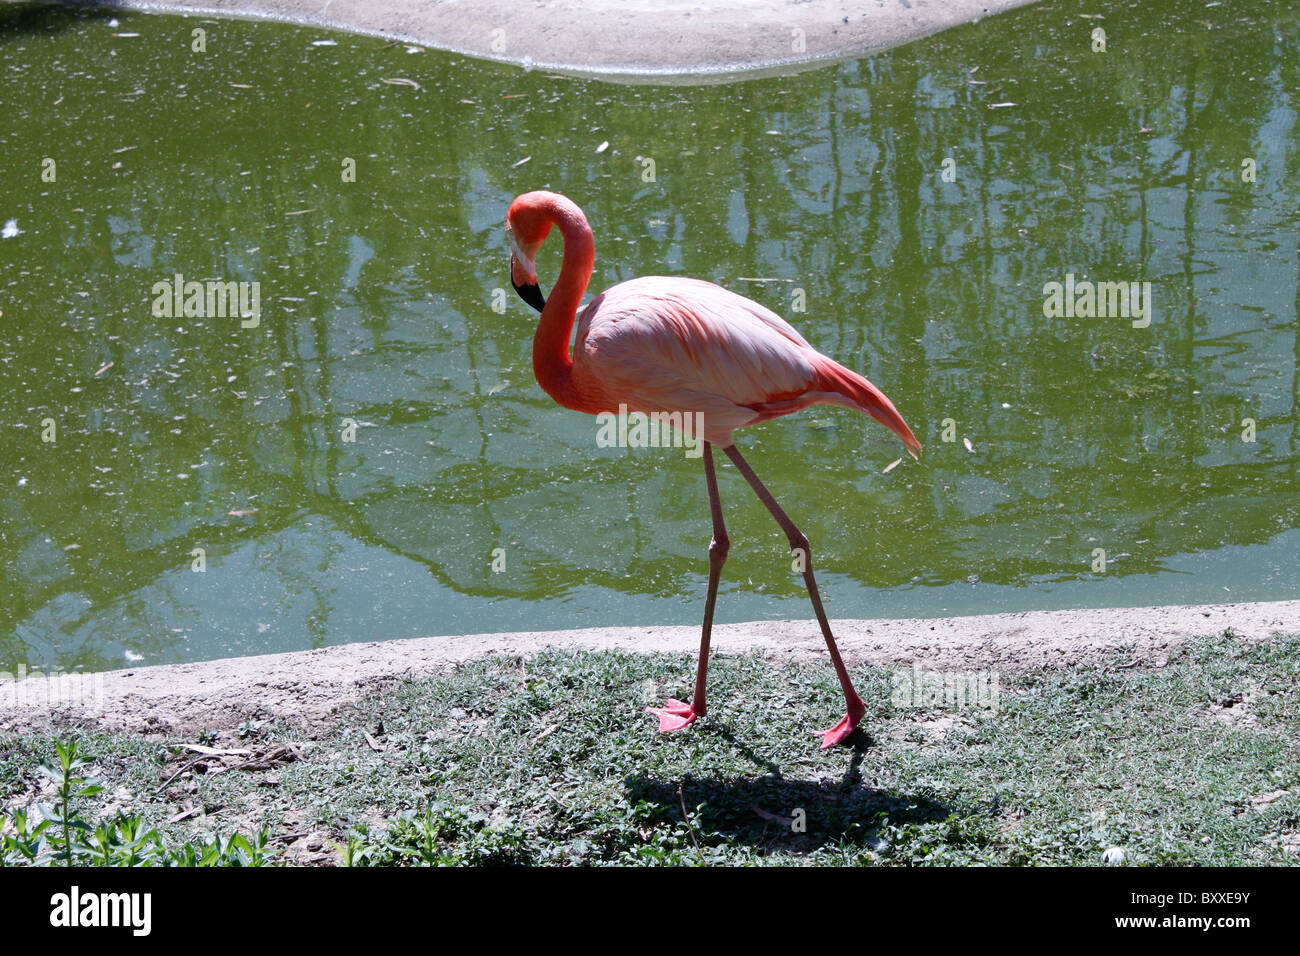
(666,345)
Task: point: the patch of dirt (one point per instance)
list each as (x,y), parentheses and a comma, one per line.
(938,727)
(1234,711)
(310,689)
(1288,842)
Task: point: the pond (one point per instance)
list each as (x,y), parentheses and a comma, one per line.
(352,463)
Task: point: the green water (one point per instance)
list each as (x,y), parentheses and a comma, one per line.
(377,306)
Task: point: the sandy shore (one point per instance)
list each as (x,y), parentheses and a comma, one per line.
(663,38)
(308,687)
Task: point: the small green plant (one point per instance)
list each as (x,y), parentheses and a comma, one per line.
(63,837)
(25,845)
(60,818)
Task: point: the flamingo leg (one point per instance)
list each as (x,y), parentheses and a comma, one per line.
(799,545)
(677,714)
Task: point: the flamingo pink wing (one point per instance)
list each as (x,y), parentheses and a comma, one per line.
(670,344)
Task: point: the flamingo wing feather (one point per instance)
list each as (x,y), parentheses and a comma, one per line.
(669,344)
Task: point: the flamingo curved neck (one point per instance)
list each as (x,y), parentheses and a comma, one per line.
(552,363)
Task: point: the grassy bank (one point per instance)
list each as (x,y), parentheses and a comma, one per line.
(548,760)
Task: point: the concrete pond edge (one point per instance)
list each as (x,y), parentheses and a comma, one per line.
(313,687)
(681,41)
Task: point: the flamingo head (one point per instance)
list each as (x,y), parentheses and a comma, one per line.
(526,228)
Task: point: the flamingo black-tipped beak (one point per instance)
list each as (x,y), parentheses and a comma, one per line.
(530,293)
(523,273)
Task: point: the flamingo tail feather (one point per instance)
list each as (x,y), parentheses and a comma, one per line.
(833,377)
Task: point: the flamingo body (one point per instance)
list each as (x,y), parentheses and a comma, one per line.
(667,344)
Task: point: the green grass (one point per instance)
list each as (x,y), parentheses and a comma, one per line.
(549,760)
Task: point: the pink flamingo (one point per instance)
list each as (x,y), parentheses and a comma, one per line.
(671,345)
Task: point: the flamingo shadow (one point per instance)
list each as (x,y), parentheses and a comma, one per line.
(773,813)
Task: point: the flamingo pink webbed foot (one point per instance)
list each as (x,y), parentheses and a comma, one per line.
(674,715)
(840,732)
